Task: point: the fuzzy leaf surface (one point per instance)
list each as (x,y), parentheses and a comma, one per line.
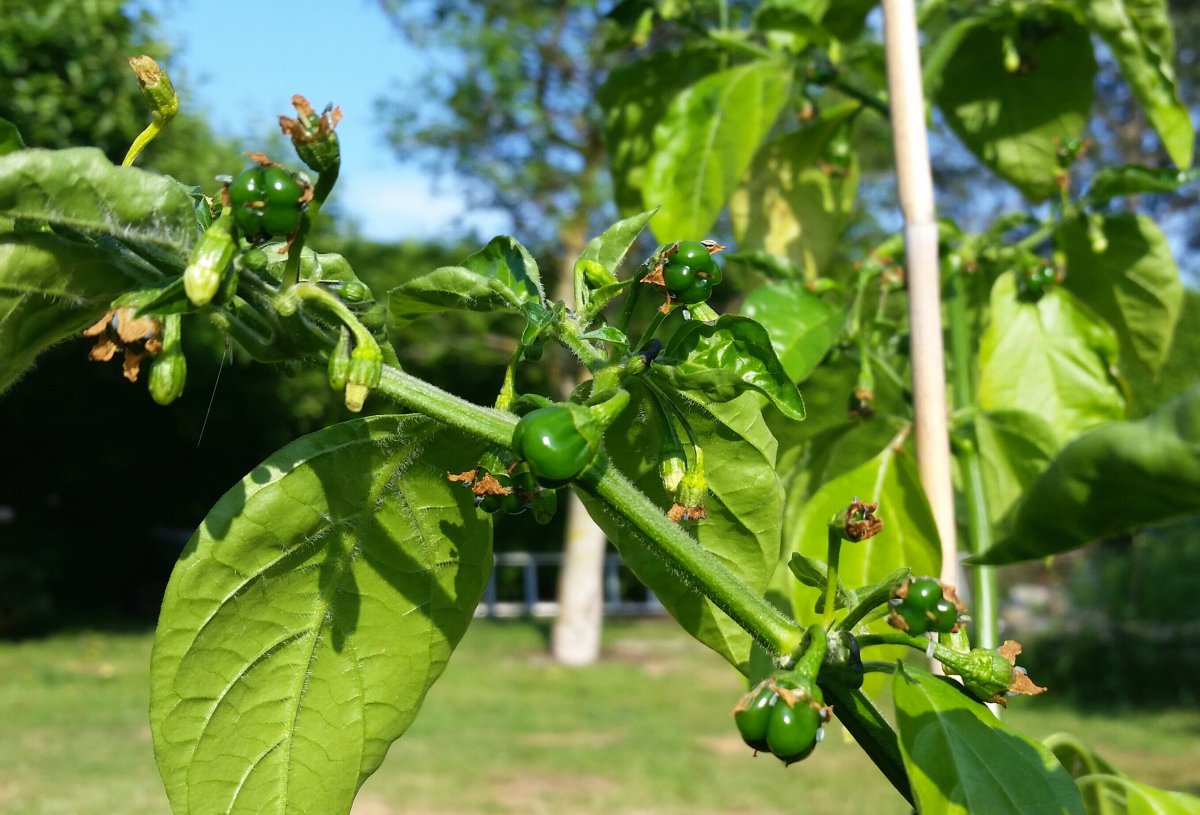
(309,615)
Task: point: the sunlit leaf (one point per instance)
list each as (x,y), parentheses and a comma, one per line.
(801,325)
(310,613)
(723,360)
(1113,479)
(1052,358)
(962,760)
(1133,284)
(1015,121)
(1138,32)
(705,143)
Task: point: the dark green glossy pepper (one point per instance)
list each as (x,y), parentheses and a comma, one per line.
(558,442)
(782,715)
(795,729)
(755,717)
(266,202)
(690,273)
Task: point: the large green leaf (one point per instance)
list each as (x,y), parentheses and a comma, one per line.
(1052,357)
(1133,283)
(1138,32)
(723,360)
(705,143)
(634,98)
(1111,480)
(790,204)
(310,613)
(79,189)
(1107,791)
(744,504)
(1015,121)
(502,276)
(51,288)
(1133,179)
(801,325)
(1015,447)
(962,760)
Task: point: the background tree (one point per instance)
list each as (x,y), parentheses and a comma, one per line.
(511,114)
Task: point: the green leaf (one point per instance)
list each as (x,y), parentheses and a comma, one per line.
(790,204)
(10,138)
(1051,358)
(1015,447)
(705,143)
(610,246)
(723,360)
(1080,761)
(1014,122)
(500,277)
(744,503)
(52,288)
(1133,284)
(606,333)
(801,325)
(634,98)
(1113,479)
(310,613)
(1138,32)
(962,760)
(1132,179)
(79,189)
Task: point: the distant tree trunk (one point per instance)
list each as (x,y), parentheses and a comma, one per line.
(575,639)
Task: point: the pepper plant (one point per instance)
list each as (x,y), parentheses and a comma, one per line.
(322,596)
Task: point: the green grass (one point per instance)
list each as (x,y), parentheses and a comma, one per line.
(647,731)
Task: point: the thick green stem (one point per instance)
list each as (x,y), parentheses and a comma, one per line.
(491,425)
(570,335)
(984,586)
(693,563)
(833,554)
(868,99)
(872,732)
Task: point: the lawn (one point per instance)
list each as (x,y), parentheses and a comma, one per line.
(647,731)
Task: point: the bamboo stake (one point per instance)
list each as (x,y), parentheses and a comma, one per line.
(915,182)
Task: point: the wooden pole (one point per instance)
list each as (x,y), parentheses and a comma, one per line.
(915,182)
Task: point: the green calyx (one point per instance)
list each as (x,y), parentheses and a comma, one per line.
(313,135)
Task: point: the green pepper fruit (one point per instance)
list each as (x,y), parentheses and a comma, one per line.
(782,715)
(690,273)
(795,729)
(924,593)
(754,719)
(558,442)
(266,202)
(944,617)
(495,502)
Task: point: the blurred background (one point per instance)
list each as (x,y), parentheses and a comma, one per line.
(462,120)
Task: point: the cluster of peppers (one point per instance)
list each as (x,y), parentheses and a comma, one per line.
(920,605)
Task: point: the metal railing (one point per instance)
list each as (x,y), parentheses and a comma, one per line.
(532,588)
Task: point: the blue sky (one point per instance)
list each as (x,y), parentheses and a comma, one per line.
(240,63)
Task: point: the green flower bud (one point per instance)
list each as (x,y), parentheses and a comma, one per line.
(202,277)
